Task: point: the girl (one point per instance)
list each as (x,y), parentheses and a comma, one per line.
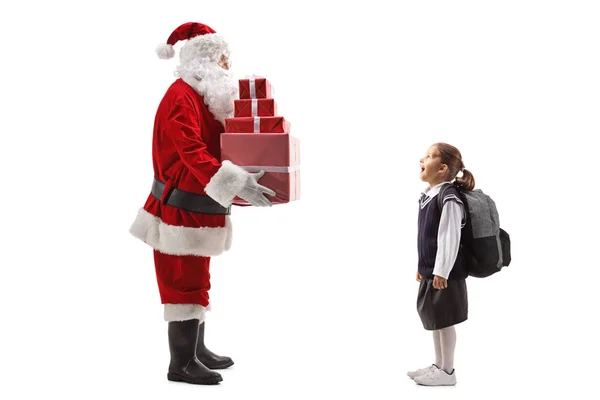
(442,297)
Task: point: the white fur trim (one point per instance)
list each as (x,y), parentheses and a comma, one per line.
(226,183)
(181,240)
(165,51)
(184,312)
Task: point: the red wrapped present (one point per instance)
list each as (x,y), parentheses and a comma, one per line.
(255,108)
(257,125)
(255,88)
(277,154)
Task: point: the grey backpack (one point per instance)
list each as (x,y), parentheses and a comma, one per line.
(485,246)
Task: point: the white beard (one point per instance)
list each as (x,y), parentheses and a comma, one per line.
(216,85)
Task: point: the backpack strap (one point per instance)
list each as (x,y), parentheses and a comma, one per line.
(440,196)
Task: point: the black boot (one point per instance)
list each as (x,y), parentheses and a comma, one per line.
(207,357)
(184,366)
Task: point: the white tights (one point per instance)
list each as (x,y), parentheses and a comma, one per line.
(444,341)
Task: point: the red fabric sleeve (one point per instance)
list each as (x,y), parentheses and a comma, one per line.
(185,130)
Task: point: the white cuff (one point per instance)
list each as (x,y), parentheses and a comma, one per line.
(184,312)
(226,183)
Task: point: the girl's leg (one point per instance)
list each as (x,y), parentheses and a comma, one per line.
(448,344)
(437,343)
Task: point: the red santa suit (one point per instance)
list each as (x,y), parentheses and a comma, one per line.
(186,161)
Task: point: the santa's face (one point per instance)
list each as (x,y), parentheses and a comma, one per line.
(224,63)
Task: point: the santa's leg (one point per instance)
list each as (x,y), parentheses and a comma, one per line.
(183,285)
(207,357)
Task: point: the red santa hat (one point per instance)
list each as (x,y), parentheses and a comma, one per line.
(202,41)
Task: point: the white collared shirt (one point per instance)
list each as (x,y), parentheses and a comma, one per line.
(451,222)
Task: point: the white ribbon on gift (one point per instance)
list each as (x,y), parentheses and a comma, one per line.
(254,107)
(270,168)
(252,88)
(256,124)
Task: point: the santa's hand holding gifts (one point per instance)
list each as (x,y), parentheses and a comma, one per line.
(257,138)
(199,173)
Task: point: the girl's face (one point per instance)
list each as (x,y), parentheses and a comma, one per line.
(432,169)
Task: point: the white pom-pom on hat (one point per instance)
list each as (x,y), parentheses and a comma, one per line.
(165,51)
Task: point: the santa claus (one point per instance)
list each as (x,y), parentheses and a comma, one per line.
(186,217)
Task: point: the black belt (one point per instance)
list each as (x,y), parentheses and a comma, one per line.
(188,201)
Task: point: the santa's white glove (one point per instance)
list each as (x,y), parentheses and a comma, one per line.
(231,181)
(253,193)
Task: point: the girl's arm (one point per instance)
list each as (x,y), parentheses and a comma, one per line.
(448,238)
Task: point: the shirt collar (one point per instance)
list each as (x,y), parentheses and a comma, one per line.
(431,192)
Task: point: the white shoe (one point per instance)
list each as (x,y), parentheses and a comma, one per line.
(437,377)
(422,371)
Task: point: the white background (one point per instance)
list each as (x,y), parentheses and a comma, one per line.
(316,299)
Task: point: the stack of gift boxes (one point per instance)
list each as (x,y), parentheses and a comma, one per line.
(257,138)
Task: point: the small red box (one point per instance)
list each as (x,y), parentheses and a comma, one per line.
(277,154)
(257,125)
(255,88)
(255,108)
